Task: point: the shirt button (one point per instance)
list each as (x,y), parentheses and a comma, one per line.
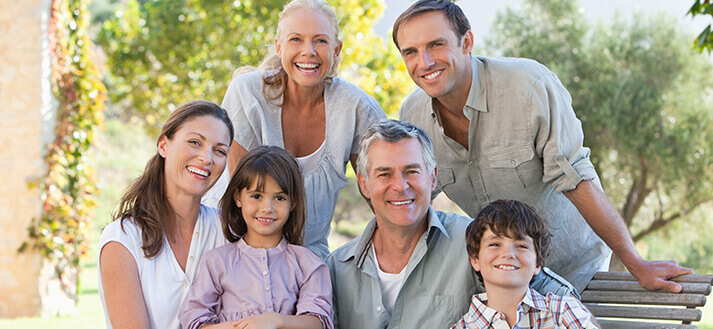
(269,304)
(267,288)
(185,284)
(378,308)
(264,272)
(196,234)
(190,258)
(470,162)
(512,163)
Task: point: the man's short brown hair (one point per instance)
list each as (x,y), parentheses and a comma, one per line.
(454,14)
(512,219)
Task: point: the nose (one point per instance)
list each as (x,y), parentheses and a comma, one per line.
(308,49)
(206,155)
(510,251)
(400,183)
(267,206)
(427,59)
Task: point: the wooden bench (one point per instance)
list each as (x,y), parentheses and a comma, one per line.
(614,296)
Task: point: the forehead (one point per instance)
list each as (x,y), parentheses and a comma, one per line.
(489,235)
(209,126)
(424,28)
(404,152)
(307,22)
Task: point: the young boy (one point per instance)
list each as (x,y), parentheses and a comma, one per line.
(507,244)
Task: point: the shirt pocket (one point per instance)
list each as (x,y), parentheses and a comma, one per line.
(441,311)
(507,164)
(445,177)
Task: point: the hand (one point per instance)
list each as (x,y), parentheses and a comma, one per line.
(654,275)
(259,321)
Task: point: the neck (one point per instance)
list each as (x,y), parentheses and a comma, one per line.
(260,241)
(395,245)
(455,100)
(506,300)
(299,97)
(186,209)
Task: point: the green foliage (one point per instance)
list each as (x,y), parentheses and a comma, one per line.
(163,53)
(704,41)
(68,187)
(643,98)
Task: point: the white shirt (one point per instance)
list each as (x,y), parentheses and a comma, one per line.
(390,284)
(163,283)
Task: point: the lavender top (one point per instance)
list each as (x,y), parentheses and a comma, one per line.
(236,281)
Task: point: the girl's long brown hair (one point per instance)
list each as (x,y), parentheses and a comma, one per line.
(144,201)
(255,165)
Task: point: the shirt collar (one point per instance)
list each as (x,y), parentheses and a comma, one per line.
(477,97)
(481,313)
(535,300)
(360,248)
(244,247)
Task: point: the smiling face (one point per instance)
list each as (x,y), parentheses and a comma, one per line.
(437,61)
(506,263)
(195,156)
(307,46)
(265,212)
(398,183)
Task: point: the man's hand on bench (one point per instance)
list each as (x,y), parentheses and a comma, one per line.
(655,274)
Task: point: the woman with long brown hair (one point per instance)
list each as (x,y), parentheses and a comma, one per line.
(149,255)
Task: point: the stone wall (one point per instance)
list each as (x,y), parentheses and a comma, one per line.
(26,116)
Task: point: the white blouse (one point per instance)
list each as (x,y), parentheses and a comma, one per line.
(163,283)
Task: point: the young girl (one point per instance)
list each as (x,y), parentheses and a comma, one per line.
(264,278)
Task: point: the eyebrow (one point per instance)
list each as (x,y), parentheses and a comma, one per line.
(408,166)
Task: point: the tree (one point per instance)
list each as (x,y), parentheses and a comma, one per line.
(643,99)
(704,41)
(163,53)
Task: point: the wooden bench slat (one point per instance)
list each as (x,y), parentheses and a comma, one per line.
(610,324)
(647,298)
(654,313)
(624,276)
(612,285)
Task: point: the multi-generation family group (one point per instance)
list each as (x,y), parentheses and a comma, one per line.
(196,246)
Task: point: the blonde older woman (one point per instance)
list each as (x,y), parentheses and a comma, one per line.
(294,101)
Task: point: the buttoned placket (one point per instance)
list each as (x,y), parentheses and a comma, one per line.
(266,281)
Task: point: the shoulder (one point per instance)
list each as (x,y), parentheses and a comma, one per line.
(454,223)
(416,106)
(306,259)
(342,255)
(210,216)
(248,83)
(121,230)
(345,91)
(511,72)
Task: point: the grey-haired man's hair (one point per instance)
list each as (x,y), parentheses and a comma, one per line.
(393,131)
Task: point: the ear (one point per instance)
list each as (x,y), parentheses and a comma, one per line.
(337,50)
(537,271)
(474,263)
(467,42)
(236,198)
(278,48)
(434,179)
(362,186)
(162,146)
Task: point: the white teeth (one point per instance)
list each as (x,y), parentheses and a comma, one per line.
(433,75)
(506,267)
(399,203)
(198,171)
(266,220)
(307,67)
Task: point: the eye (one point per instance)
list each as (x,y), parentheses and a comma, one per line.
(437,44)
(257,196)
(194,142)
(494,244)
(322,40)
(295,39)
(281,198)
(408,52)
(383,174)
(222,152)
(523,246)
(413,172)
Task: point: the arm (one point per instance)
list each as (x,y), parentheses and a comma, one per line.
(125,305)
(608,224)
(202,303)
(279,321)
(235,153)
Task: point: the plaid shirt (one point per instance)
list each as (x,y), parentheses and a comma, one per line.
(535,311)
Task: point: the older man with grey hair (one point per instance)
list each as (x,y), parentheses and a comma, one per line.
(409,268)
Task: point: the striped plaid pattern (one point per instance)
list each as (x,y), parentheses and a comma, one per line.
(535,311)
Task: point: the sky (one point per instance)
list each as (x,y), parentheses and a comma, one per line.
(481,13)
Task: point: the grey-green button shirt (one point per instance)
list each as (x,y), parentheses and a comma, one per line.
(525,143)
(438,286)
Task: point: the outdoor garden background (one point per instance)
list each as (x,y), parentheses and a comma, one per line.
(641,88)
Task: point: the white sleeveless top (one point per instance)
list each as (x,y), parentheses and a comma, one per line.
(163,283)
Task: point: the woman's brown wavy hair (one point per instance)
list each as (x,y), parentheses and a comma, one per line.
(255,165)
(144,201)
